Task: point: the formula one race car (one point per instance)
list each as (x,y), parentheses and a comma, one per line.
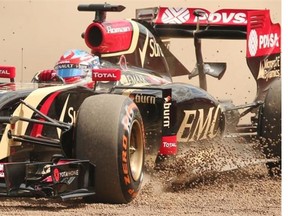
(71,141)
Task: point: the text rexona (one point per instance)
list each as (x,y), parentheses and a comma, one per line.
(196,125)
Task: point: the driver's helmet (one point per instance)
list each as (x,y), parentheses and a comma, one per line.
(76,64)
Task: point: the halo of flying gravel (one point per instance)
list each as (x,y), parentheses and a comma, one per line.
(178,190)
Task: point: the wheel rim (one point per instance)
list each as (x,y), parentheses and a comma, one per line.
(136,149)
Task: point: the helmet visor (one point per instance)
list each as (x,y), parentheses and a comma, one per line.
(69,72)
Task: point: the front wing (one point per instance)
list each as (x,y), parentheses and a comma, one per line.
(65,179)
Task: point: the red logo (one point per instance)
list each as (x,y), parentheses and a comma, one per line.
(169,145)
(7,72)
(105,74)
(56,175)
(263,36)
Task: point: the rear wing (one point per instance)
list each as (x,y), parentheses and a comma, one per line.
(263,38)
(254,26)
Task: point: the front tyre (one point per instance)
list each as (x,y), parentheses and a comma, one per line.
(110,133)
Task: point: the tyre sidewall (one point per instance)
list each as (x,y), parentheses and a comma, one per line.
(130,186)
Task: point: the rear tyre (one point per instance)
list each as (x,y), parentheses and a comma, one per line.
(270,127)
(110,133)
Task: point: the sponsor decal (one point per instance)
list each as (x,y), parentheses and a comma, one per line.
(105,74)
(133,79)
(166,112)
(113,30)
(268,40)
(269,69)
(196,125)
(98,75)
(169,145)
(155,48)
(56,175)
(7,71)
(258,42)
(70,173)
(72,115)
(175,15)
(69,66)
(65,176)
(253,42)
(125,167)
(224,17)
(185,15)
(4,72)
(145,99)
(127,124)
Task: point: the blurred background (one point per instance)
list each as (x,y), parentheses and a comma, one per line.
(35,33)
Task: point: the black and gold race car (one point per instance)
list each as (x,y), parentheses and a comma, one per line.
(68,140)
